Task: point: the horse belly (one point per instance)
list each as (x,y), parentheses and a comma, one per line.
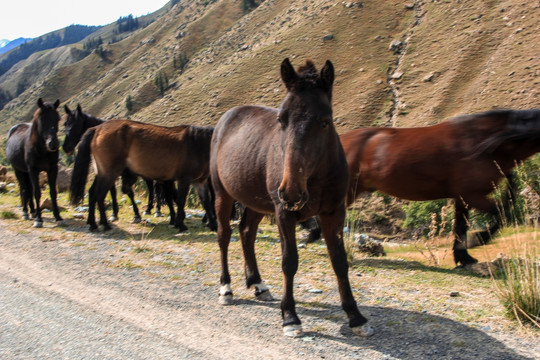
(244,179)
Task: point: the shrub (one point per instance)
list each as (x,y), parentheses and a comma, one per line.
(518,288)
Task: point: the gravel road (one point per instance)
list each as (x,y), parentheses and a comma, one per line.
(62,301)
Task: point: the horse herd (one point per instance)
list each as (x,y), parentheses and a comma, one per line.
(287,161)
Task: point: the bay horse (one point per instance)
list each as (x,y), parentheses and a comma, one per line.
(76,124)
(461,158)
(289,162)
(179,153)
(32,148)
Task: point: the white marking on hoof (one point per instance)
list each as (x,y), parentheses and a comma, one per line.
(364,330)
(38,224)
(113,218)
(158,214)
(292,330)
(225,295)
(262,292)
(26,217)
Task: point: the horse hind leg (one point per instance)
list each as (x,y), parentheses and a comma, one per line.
(223,213)
(25,190)
(461,256)
(248,232)
(114,201)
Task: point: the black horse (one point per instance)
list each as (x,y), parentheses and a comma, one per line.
(76,124)
(32,148)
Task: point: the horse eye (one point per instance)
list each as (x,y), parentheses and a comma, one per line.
(325,123)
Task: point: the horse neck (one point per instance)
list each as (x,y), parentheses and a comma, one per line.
(91,121)
(201,134)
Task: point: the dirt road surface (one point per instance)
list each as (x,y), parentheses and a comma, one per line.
(59,300)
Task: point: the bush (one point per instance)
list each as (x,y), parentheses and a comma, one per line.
(518,288)
(423,215)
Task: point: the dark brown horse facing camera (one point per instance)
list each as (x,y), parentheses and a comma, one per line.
(32,148)
(289,162)
(178,153)
(462,158)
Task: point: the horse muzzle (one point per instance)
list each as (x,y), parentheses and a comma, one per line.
(52,145)
(293,203)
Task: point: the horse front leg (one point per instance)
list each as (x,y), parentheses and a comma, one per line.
(51,176)
(461,218)
(332,229)
(292,326)
(206,194)
(150,204)
(34,178)
(248,232)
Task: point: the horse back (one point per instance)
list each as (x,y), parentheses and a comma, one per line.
(152,151)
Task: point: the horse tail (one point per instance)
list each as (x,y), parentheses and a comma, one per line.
(80,170)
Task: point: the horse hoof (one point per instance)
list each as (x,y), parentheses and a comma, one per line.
(136,220)
(113,218)
(38,224)
(225,299)
(294,330)
(158,214)
(147,212)
(364,330)
(60,222)
(107,227)
(26,217)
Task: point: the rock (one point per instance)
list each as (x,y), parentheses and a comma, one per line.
(328,37)
(3,186)
(63,179)
(428,77)
(409,6)
(47,205)
(397,75)
(454,293)
(395,46)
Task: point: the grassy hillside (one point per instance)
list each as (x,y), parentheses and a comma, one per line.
(454,58)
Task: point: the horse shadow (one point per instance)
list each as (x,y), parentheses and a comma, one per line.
(404,334)
(394,264)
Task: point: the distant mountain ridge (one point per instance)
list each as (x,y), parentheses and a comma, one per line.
(65,36)
(6,45)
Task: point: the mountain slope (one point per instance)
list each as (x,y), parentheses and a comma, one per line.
(449,58)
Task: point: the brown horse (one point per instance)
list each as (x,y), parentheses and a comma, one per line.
(289,162)
(32,148)
(462,158)
(76,123)
(179,153)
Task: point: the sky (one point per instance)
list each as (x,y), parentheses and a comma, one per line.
(30,19)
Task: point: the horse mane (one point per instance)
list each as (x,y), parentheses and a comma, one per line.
(201,132)
(520,125)
(93,119)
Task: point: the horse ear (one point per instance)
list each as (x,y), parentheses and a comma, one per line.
(40,102)
(67,110)
(79,108)
(57,103)
(327,75)
(288,74)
